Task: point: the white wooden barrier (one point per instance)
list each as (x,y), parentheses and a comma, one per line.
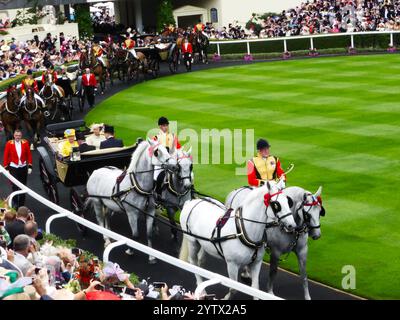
(310,37)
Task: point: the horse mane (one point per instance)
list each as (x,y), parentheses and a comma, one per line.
(136,155)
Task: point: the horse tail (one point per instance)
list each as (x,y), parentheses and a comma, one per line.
(184,253)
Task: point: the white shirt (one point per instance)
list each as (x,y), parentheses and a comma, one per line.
(18,148)
(94,140)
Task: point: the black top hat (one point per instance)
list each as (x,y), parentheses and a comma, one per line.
(108,129)
(29,72)
(163,121)
(80,136)
(262,144)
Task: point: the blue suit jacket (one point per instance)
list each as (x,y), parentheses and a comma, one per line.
(111,143)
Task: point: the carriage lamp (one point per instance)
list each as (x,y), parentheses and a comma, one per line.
(76,155)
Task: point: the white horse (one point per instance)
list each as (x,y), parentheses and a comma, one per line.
(134,194)
(306,209)
(241,241)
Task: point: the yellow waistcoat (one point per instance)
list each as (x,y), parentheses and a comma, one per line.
(166,139)
(266,167)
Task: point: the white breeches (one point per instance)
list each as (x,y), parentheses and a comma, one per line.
(133,51)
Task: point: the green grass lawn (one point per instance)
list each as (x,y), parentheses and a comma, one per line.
(336,119)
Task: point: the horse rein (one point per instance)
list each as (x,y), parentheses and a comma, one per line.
(306,214)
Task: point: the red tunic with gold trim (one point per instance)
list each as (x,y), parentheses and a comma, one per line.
(167,140)
(261,169)
(129,44)
(26,83)
(11,155)
(54,75)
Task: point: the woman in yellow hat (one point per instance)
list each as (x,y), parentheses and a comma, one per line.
(66,146)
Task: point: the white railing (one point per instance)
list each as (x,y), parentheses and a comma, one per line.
(215,278)
(311,37)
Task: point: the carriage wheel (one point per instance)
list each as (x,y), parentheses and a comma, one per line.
(49,185)
(78,207)
(173,63)
(81,102)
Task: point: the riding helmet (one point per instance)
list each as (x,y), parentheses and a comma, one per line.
(262,144)
(163,121)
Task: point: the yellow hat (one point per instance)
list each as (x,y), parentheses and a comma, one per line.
(69,133)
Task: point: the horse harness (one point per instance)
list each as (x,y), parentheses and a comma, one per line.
(241,232)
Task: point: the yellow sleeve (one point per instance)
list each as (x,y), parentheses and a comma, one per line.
(65,149)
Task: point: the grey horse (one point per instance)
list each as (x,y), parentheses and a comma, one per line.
(177,187)
(306,209)
(135,191)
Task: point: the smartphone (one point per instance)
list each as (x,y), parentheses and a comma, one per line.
(117,289)
(158,285)
(130,291)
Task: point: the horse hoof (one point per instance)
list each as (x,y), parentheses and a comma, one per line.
(129,252)
(245,275)
(152,260)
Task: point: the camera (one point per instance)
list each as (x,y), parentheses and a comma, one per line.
(130,291)
(158,285)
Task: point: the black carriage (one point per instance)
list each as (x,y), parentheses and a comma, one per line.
(162,52)
(74,172)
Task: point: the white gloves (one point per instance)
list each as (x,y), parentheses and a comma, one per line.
(29,170)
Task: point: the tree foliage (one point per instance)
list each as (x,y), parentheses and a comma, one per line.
(165,15)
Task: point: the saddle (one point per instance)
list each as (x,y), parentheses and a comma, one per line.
(223,220)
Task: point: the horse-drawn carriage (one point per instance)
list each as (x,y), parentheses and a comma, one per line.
(73,172)
(162,52)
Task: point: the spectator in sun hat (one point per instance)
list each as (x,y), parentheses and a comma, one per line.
(96,138)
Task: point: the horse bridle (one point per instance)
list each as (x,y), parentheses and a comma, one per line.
(276,207)
(177,172)
(307,215)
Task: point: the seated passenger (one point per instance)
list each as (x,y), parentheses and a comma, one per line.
(83,146)
(110,141)
(65,147)
(96,138)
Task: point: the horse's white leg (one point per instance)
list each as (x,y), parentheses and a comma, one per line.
(194,248)
(100,216)
(233,272)
(255,268)
(149,229)
(133,222)
(273,268)
(302,259)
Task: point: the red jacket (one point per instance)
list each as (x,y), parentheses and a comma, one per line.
(89,83)
(187,48)
(54,77)
(31,83)
(253,177)
(10,154)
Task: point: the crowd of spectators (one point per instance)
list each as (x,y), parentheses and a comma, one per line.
(317,17)
(30,271)
(17,57)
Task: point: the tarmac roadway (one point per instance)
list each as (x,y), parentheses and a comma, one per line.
(288,285)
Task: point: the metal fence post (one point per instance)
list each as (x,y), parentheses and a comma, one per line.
(312,43)
(218,49)
(352,41)
(248,48)
(13,194)
(391,40)
(284,45)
